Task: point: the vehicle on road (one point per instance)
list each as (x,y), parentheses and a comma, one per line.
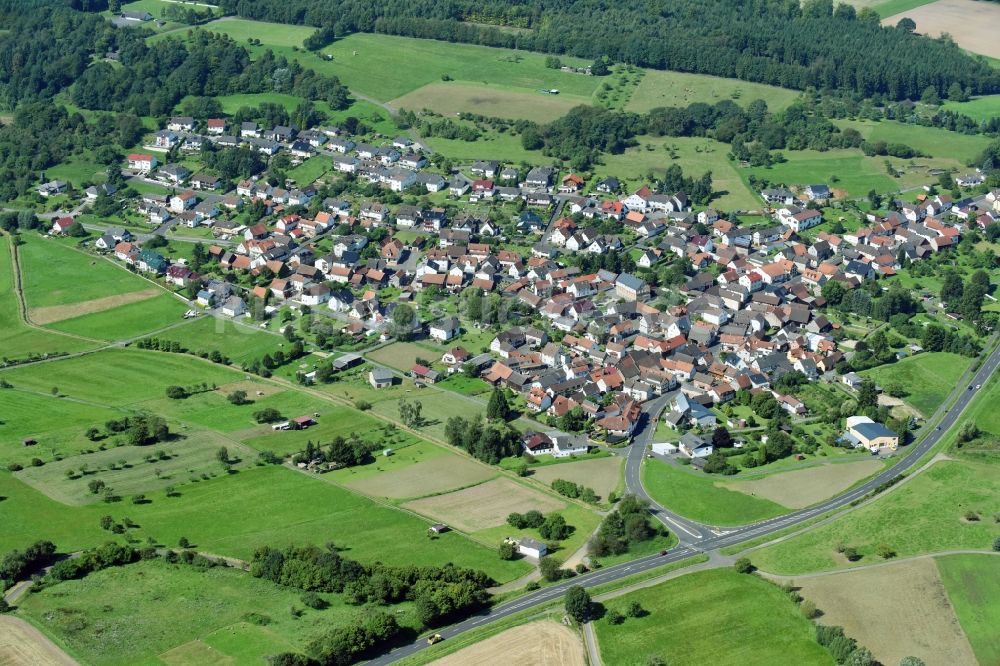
(434,638)
(664,551)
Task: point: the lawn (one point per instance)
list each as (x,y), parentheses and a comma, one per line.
(488,99)
(237,342)
(696,496)
(927,378)
(152,611)
(973,585)
(307,172)
(711,617)
(234,514)
(924,515)
(78,170)
(18,340)
(58,275)
(979,108)
(666,88)
(126,321)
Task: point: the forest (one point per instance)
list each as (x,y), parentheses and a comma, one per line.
(778,42)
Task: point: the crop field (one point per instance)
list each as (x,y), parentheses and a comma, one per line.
(932,141)
(17,340)
(970,23)
(888,7)
(26,415)
(484,99)
(801,488)
(80,277)
(602,474)
(23,645)
(694,155)
(235,341)
(737,619)
(56,313)
(927,378)
(923,515)
(542,642)
(895,610)
(666,88)
(486,505)
(973,585)
(126,321)
(234,514)
(137,470)
(980,108)
(135,613)
(417,470)
(702,498)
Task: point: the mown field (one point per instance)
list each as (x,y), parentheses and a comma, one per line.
(932,141)
(927,378)
(488,100)
(697,496)
(711,617)
(666,88)
(154,612)
(980,108)
(126,321)
(235,341)
(973,585)
(801,488)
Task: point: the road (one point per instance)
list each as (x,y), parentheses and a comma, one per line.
(703,538)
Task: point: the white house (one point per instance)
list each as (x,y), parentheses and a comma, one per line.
(445,329)
(532,548)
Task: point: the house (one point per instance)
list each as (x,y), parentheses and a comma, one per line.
(151,262)
(216,126)
(630,287)
(817,192)
(181,124)
(381,378)
(52,188)
(142,162)
(556,443)
(137,17)
(445,329)
(532,548)
(571,184)
(852,379)
(165,139)
(862,431)
(970,179)
(694,446)
(422,373)
(62,225)
(539,177)
(609,185)
(234,307)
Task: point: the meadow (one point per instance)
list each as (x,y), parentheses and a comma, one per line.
(667,88)
(979,108)
(697,496)
(601,474)
(403,355)
(485,505)
(973,585)
(128,321)
(154,612)
(236,341)
(927,378)
(495,100)
(737,619)
(311,169)
(932,141)
(800,488)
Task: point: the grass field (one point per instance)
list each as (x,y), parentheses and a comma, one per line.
(666,88)
(542,642)
(57,313)
(801,488)
(78,170)
(307,172)
(403,355)
(712,617)
(980,108)
(18,340)
(126,321)
(973,585)
(927,378)
(602,474)
(137,613)
(932,141)
(924,515)
(234,514)
(128,470)
(237,342)
(698,497)
(486,505)
(889,7)
(484,99)
(79,277)
(895,611)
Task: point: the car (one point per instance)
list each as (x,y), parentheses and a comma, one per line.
(970,387)
(434,638)
(664,552)
(978,386)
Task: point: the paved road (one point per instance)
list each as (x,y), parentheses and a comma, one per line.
(707,539)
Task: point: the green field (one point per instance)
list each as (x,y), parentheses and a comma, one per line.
(311,169)
(78,171)
(973,585)
(488,99)
(932,141)
(235,341)
(697,497)
(135,613)
(711,617)
(17,339)
(666,88)
(126,321)
(889,7)
(979,108)
(924,515)
(927,378)
(58,275)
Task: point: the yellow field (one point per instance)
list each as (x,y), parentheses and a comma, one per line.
(972,24)
(601,474)
(543,643)
(23,645)
(484,506)
(485,99)
(804,487)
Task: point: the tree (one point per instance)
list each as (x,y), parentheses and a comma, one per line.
(911,661)
(550,568)
(614,617)
(238,397)
(930,95)
(867,395)
(222,455)
(497,408)
(721,439)
(906,24)
(744,566)
(183,542)
(635,609)
(952,288)
(577,603)
(402,321)
(176,392)
(507,551)
(267,415)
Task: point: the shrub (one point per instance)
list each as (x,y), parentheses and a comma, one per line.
(506,551)
(176,392)
(885,551)
(852,554)
(744,565)
(972,516)
(614,617)
(809,609)
(313,600)
(996,544)
(635,609)
(257,618)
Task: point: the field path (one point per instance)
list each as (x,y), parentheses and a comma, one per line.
(593,649)
(23,645)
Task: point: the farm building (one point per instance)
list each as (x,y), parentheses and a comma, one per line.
(531,548)
(862,431)
(381,378)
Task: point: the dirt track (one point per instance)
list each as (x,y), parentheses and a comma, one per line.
(543,643)
(23,645)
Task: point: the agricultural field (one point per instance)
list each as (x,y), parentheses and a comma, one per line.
(403,355)
(926,378)
(485,505)
(801,488)
(23,645)
(238,342)
(738,619)
(127,321)
(702,498)
(973,585)
(453,97)
(666,88)
(897,610)
(152,612)
(969,23)
(888,7)
(601,474)
(541,642)
(926,514)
